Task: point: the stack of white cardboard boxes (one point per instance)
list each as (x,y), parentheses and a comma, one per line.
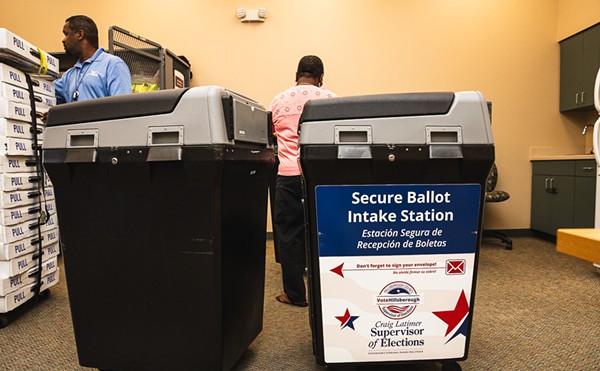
(27,207)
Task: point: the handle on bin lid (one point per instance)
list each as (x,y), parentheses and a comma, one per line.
(165,136)
(444,135)
(82,138)
(353,135)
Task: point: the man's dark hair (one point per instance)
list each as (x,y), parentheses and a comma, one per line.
(310,65)
(85,24)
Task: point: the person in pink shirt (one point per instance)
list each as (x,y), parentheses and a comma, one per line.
(286,109)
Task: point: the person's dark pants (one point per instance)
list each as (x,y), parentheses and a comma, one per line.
(272,193)
(289,225)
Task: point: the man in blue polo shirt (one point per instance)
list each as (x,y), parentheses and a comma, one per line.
(97,73)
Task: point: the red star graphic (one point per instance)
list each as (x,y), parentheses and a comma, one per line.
(338,270)
(343,319)
(453,317)
(347,320)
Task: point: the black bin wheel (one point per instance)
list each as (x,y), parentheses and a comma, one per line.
(44,294)
(3,320)
(451,366)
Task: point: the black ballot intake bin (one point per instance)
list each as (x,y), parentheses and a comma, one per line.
(394,199)
(163,201)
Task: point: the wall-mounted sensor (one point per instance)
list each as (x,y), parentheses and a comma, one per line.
(252,15)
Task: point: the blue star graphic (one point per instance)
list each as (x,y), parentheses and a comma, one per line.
(462,330)
(350,322)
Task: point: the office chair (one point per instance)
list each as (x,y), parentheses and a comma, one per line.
(494,195)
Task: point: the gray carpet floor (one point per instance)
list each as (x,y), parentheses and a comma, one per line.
(535,309)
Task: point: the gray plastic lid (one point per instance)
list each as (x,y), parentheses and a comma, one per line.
(116,107)
(384,105)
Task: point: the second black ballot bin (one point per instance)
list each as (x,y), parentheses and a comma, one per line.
(163,201)
(394,197)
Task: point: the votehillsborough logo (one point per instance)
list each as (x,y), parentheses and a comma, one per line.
(397,300)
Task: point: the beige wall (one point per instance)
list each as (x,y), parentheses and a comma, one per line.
(574,16)
(507,49)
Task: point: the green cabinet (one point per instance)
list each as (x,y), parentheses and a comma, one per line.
(579,63)
(563,195)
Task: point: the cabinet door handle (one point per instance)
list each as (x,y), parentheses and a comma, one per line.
(582,100)
(546,184)
(587,168)
(550,185)
(577,98)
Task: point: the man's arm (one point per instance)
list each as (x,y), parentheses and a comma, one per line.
(59,91)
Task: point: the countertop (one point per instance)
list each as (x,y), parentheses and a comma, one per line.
(561,157)
(558,153)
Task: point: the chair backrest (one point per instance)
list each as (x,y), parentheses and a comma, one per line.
(492,179)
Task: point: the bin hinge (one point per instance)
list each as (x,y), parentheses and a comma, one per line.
(445,151)
(79,155)
(170,153)
(354,152)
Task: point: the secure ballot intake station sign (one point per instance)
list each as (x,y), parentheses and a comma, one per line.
(397,267)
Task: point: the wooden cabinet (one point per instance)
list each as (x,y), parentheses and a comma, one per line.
(563,195)
(579,63)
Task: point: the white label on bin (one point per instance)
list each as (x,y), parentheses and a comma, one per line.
(397,265)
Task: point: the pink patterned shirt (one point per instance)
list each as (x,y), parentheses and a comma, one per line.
(286,109)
